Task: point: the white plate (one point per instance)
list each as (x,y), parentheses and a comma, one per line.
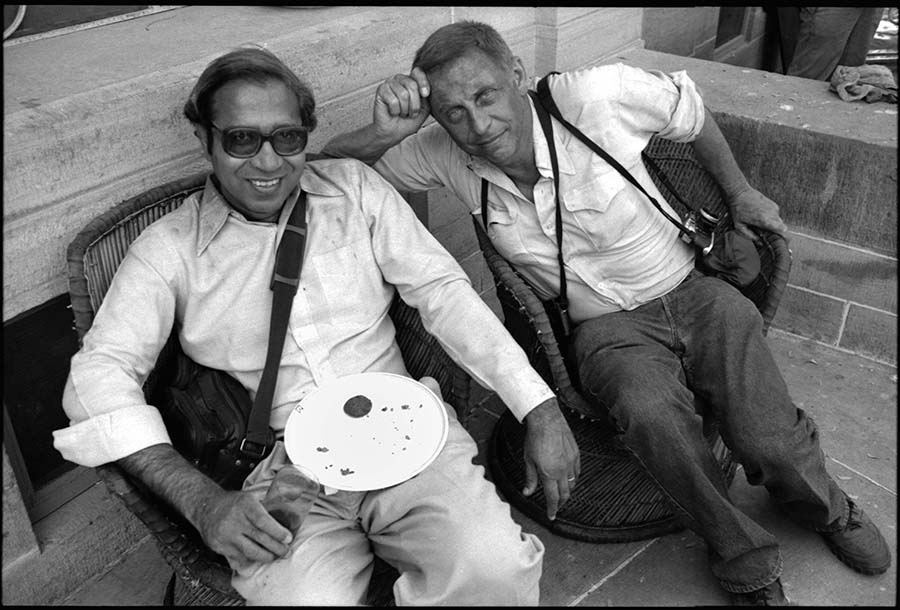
(400,436)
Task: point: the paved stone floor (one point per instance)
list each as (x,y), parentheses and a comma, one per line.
(854,402)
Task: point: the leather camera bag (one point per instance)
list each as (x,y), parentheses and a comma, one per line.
(207,418)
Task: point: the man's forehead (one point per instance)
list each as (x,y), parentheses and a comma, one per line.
(467,75)
(249,97)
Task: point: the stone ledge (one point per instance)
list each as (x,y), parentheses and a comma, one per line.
(830,164)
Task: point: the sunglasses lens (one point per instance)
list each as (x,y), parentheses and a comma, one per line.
(289,140)
(242,142)
(245,143)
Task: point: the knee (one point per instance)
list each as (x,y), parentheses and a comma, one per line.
(481,569)
(732,309)
(505,572)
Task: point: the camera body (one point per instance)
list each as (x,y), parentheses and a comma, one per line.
(701,226)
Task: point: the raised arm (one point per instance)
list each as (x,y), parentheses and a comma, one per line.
(749,207)
(400,109)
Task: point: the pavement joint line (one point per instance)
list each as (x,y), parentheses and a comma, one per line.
(606,578)
(858,473)
(843,245)
(775,331)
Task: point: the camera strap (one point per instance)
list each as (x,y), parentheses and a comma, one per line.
(562,301)
(285,279)
(546,101)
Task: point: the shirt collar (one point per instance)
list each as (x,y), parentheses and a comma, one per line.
(214,210)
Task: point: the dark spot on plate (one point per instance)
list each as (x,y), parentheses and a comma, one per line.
(358,406)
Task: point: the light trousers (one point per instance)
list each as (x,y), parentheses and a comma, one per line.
(446,530)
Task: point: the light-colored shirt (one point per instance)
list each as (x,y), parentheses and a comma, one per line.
(619,250)
(207,268)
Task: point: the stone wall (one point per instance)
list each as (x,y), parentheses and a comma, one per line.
(93,117)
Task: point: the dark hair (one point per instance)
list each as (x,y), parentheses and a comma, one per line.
(254,64)
(456,39)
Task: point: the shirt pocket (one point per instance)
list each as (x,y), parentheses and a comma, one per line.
(594,187)
(504,233)
(605,205)
(351,283)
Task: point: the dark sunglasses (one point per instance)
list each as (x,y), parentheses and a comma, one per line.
(245,142)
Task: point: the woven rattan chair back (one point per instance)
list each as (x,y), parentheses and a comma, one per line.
(202,577)
(615,500)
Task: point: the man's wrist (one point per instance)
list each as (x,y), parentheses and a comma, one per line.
(543,412)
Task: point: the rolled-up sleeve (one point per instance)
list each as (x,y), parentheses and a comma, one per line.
(686,118)
(103,398)
(451,310)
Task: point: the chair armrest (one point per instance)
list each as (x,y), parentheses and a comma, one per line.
(545,355)
(180,544)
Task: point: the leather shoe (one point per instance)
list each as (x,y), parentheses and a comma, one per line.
(770,595)
(860,545)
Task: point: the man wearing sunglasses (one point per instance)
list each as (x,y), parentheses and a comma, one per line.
(650,332)
(206,267)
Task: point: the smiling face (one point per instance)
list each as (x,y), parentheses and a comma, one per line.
(258,186)
(484,107)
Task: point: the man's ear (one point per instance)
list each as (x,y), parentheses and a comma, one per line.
(203,135)
(520,76)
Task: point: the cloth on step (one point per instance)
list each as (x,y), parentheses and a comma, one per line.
(871,83)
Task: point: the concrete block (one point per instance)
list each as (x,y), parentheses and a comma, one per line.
(477,270)
(843,272)
(506,19)
(680,30)
(18,539)
(577,38)
(809,315)
(458,237)
(78,541)
(871,333)
(444,208)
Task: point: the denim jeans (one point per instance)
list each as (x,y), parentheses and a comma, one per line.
(703,340)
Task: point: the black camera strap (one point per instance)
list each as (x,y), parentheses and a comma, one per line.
(562,300)
(546,101)
(285,279)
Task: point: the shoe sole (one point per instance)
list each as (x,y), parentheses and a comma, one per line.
(848,561)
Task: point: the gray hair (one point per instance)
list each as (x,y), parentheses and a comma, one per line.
(456,39)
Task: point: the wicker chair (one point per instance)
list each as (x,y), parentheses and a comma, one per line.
(202,577)
(615,500)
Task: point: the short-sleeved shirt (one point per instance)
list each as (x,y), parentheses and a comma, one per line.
(619,250)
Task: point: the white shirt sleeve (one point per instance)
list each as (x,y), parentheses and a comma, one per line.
(429,279)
